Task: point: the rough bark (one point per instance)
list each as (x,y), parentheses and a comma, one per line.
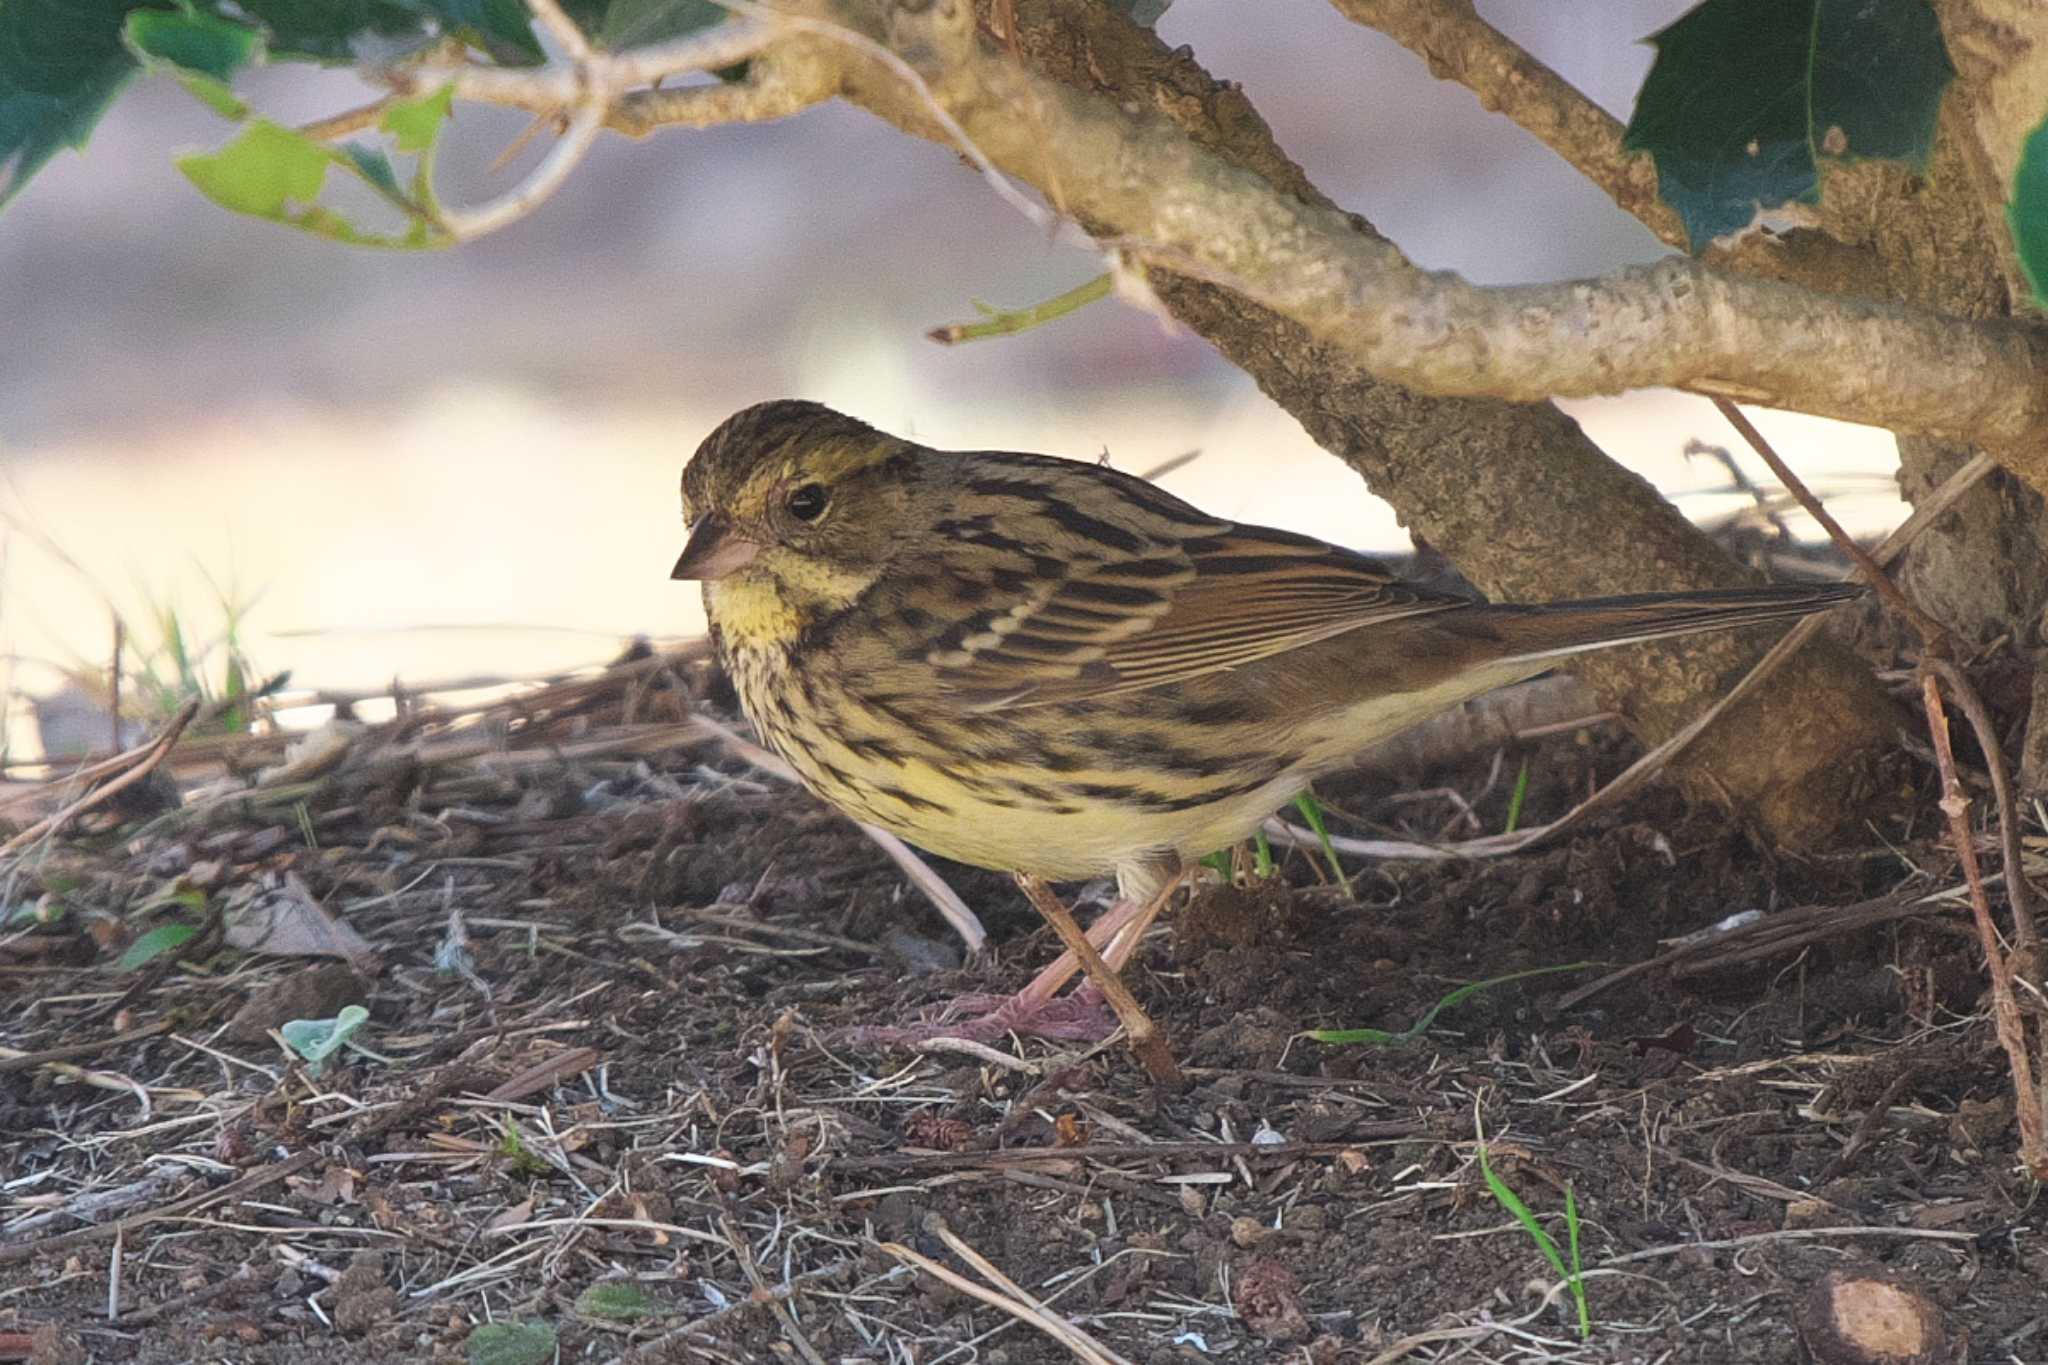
(1508,491)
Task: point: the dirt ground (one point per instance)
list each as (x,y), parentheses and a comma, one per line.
(613,1093)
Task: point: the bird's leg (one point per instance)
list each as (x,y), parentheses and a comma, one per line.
(1146,1042)
(1143,891)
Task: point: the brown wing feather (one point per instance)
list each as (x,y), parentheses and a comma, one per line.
(1176,611)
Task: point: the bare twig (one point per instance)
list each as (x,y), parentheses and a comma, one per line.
(1931,631)
(2005,1009)
(2018,892)
(1023,1308)
(143,762)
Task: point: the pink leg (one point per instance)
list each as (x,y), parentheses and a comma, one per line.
(1038,1010)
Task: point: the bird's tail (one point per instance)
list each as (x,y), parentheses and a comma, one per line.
(1558,629)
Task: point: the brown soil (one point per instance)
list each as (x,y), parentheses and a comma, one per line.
(637,1079)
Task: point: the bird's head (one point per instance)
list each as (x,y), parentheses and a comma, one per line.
(795,501)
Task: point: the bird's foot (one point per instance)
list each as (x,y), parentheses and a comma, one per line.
(1080,1016)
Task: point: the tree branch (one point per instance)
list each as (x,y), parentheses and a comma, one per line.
(1461,46)
(1677,323)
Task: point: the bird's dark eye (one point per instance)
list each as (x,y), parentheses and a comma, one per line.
(807,501)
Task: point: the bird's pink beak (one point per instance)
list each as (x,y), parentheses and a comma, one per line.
(714,551)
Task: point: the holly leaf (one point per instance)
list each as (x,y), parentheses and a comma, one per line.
(202,52)
(329,30)
(504,28)
(193,42)
(2026,214)
(1748,98)
(61,64)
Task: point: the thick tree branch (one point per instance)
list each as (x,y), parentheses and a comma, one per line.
(1676,324)
(1176,204)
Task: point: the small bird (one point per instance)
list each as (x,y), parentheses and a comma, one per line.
(1049,668)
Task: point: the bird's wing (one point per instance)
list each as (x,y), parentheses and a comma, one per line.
(1167,613)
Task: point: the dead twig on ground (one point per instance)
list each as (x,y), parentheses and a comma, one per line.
(138,764)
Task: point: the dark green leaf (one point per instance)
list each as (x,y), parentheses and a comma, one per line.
(502,27)
(155,944)
(511,1343)
(61,65)
(2027,214)
(329,30)
(375,167)
(636,23)
(193,42)
(1747,97)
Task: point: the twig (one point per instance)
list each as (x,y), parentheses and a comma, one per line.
(2005,1010)
(1931,631)
(2026,944)
(1388,1131)
(10,1060)
(145,761)
(1084,1347)
(1775,934)
(1787,1235)
(589,86)
(777,1304)
(1873,1121)
(1010,321)
(347,121)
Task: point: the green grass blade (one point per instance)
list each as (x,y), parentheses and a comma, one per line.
(1515,801)
(1312,811)
(1421,1026)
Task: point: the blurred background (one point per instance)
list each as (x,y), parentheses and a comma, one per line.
(362,466)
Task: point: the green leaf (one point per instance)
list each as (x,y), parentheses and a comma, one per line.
(155,944)
(1747,98)
(270,171)
(616,1301)
(375,167)
(511,1343)
(2027,213)
(277,173)
(415,124)
(330,30)
(213,94)
(502,27)
(61,65)
(193,42)
(636,23)
(318,1039)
